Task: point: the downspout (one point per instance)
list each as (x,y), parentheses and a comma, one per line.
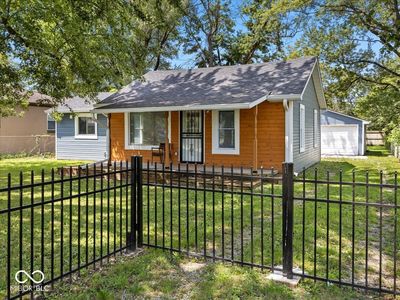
(288,107)
(255,162)
(108,117)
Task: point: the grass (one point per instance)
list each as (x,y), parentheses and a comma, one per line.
(161,275)
(327,233)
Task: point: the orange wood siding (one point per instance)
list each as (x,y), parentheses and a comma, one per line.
(271,135)
(270,141)
(117,134)
(270,138)
(245,157)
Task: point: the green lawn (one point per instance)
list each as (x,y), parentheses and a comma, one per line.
(159,275)
(212,280)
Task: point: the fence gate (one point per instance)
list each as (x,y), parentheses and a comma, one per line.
(337,231)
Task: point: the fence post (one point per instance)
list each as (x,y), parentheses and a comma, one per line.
(287,212)
(132,233)
(139,202)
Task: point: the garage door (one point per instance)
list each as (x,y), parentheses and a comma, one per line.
(339,139)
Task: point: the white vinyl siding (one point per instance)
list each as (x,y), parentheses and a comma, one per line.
(302,127)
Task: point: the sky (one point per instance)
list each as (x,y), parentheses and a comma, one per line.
(185,61)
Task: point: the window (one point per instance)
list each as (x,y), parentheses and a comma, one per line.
(51,123)
(145,129)
(225,132)
(302,128)
(316,128)
(85,127)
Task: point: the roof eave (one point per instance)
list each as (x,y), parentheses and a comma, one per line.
(281,97)
(320,96)
(351,117)
(172,108)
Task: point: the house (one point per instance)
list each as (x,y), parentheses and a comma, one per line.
(30,132)
(342,134)
(255,115)
(81,134)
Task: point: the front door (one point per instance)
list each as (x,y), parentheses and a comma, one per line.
(192,136)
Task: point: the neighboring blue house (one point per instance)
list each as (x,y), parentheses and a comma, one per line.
(81,134)
(342,134)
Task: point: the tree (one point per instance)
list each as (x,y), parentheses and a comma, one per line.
(159,43)
(211,35)
(268,24)
(63,48)
(381,106)
(358,45)
(207,27)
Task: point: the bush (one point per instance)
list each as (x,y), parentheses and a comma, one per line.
(25,154)
(394,136)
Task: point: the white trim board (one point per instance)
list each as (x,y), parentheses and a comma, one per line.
(302,123)
(129,146)
(215,135)
(289,132)
(230,106)
(76,127)
(315,74)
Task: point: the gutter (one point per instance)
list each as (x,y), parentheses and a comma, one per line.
(248,105)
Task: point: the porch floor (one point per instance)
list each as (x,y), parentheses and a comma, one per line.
(202,176)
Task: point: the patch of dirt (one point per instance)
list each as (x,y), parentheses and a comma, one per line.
(190,267)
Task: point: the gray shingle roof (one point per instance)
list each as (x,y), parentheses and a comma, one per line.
(78,104)
(238,84)
(39,99)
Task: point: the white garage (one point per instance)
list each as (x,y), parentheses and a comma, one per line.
(342,134)
(339,140)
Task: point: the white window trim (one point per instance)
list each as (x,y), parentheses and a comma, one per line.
(315,131)
(85,136)
(215,134)
(47,125)
(129,146)
(302,126)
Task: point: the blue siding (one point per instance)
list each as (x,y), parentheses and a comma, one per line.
(311,155)
(86,149)
(332,118)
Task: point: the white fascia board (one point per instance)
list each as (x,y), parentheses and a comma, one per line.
(174,108)
(281,97)
(95,105)
(308,80)
(248,105)
(321,99)
(258,101)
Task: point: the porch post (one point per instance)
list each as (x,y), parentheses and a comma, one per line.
(167,140)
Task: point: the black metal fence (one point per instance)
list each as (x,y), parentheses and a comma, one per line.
(54,225)
(336,226)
